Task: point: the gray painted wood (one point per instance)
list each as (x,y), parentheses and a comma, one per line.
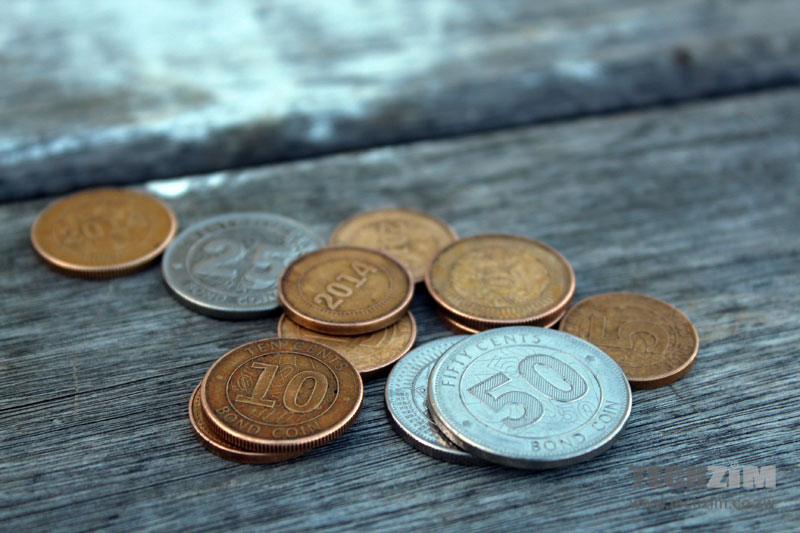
(696,205)
(132,90)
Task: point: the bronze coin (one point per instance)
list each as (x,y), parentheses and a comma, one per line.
(457,327)
(370,353)
(652,341)
(103,232)
(345,290)
(491,281)
(281,395)
(411,237)
(219,447)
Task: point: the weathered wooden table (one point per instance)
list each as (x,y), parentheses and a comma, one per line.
(697,204)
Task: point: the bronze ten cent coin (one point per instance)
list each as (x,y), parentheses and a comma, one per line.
(345,290)
(281,395)
(652,341)
(103,232)
(411,237)
(370,353)
(219,447)
(489,281)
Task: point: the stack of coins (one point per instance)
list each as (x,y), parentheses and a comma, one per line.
(520,396)
(490,281)
(513,393)
(354,296)
(352,299)
(271,400)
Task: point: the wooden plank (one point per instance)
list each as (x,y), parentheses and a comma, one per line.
(134,90)
(697,205)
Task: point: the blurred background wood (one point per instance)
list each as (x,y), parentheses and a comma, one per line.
(132,90)
(697,205)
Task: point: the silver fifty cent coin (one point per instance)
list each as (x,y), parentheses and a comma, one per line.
(228,266)
(529,397)
(407,400)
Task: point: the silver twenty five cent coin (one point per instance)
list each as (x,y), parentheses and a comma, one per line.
(529,397)
(407,402)
(228,266)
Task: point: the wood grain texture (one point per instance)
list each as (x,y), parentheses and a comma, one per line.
(697,205)
(131,90)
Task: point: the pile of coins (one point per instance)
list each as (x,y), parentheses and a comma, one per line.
(514,391)
(274,399)
(490,281)
(519,396)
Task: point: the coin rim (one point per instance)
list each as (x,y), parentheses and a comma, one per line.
(371,372)
(461,329)
(659,380)
(214,310)
(466,318)
(227,451)
(432,449)
(346,328)
(106,271)
(519,462)
(300,444)
(349,220)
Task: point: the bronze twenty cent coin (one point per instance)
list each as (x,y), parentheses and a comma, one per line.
(103,232)
(345,290)
(370,353)
(219,447)
(489,281)
(652,341)
(411,237)
(281,395)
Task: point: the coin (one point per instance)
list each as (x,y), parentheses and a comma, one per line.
(281,395)
(457,327)
(219,447)
(103,233)
(500,280)
(411,237)
(529,397)
(407,402)
(653,342)
(345,290)
(370,353)
(228,266)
